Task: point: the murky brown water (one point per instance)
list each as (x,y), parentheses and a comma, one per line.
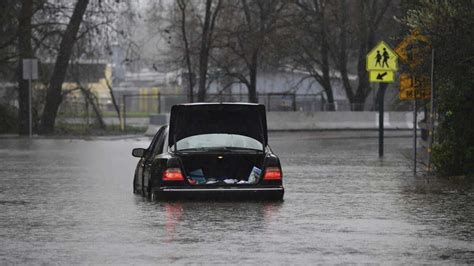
(71,201)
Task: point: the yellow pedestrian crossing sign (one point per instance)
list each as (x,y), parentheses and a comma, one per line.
(382,58)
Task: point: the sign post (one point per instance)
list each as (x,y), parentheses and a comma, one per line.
(30,72)
(415,88)
(415,85)
(415,118)
(432,111)
(381,94)
(382,63)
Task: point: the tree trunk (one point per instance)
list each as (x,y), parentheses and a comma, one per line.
(25,51)
(53,96)
(330,97)
(253,78)
(325,66)
(358,100)
(90,98)
(112,96)
(359,97)
(340,54)
(253,88)
(203,64)
(204,53)
(187,52)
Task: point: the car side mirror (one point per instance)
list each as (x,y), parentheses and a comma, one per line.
(138,152)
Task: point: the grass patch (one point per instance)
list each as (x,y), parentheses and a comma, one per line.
(94,130)
(104,114)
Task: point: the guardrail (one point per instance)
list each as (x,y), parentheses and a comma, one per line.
(295,121)
(274,102)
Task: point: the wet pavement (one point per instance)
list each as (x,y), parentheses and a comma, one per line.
(70,202)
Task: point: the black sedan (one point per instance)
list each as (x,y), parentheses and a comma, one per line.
(210,150)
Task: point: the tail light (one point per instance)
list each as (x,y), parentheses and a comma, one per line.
(272,173)
(172,174)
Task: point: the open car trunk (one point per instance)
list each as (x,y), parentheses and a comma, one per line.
(222,168)
(224,118)
(198,130)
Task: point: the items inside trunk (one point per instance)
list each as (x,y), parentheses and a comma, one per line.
(223,169)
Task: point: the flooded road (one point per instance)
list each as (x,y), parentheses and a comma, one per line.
(70,202)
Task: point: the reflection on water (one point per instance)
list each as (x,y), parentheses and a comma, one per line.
(450,205)
(71,202)
(210,218)
(174,211)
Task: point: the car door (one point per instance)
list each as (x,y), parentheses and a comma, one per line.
(154,149)
(138,180)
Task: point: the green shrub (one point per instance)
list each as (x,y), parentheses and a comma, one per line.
(450,26)
(443,159)
(469,165)
(8,119)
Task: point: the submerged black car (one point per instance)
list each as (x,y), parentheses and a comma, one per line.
(217,150)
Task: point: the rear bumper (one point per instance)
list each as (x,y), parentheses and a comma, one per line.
(232,193)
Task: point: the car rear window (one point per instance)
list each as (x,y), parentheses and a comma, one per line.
(218,140)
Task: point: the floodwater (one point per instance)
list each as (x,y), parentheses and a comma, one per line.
(70,202)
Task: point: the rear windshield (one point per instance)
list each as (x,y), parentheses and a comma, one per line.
(204,141)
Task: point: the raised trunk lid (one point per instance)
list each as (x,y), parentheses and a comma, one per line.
(207,118)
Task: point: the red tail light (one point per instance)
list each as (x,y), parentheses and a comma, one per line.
(172,174)
(272,173)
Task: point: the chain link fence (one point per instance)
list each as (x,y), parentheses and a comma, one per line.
(161,103)
(135,106)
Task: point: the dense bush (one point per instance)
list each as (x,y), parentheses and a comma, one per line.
(450,25)
(8,119)
(453,155)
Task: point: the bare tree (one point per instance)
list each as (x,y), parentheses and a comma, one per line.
(245,39)
(53,97)
(187,53)
(11,13)
(206,43)
(43,29)
(318,36)
(190,31)
(310,48)
(361,30)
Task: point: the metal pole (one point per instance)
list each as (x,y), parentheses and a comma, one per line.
(124,112)
(159,102)
(122,128)
(268,101)
(414,134)
(323,102)
(240,92)
(432,111)
(294,101)
(30,120)
(87,107)
(191,92)
(381,93)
